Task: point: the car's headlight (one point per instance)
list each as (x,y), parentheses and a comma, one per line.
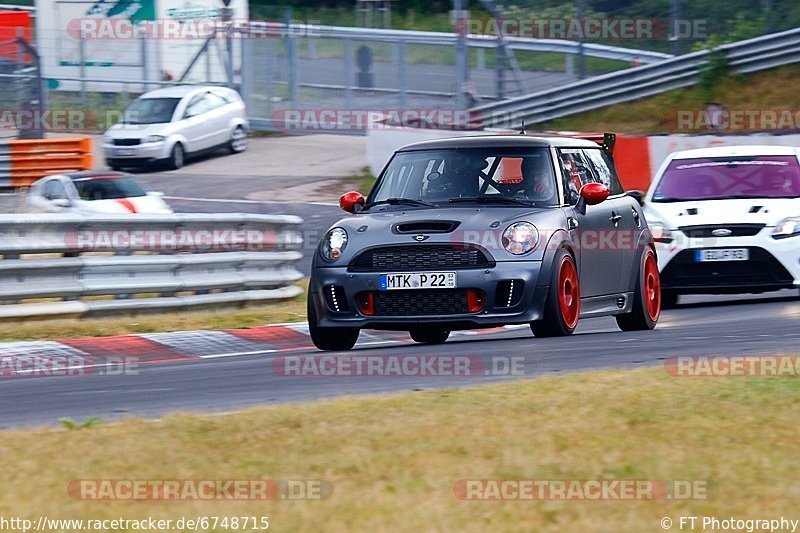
(660,231)
(520,238)
(333,244)
(789,227)
(154,139)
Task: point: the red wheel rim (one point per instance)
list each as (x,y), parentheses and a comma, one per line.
(569,296)
(652,287)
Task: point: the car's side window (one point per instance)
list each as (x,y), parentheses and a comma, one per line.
(603,169)
(54,190)
(213,101)
(575,173)
(197,105)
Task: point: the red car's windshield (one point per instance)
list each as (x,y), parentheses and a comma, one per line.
(722,178)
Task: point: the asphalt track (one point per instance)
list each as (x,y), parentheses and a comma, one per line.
(765,325)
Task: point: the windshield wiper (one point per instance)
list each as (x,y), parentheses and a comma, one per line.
(399,201)
(491,200)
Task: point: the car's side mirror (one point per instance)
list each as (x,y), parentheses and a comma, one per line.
(636,195)
(352,202)
(61,202)
(591,194)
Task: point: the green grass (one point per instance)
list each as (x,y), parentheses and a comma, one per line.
(363,181)
(774,89)
(393,461)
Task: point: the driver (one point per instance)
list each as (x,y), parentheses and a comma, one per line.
(537,182)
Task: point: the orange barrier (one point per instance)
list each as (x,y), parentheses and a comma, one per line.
(25,161)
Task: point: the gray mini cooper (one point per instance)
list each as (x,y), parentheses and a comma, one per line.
(484,231)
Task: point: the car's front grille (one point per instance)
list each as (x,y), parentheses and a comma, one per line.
(421,257)
(736,230)
(422,302)
(761,270)
(127,142)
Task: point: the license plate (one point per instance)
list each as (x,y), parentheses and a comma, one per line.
(124,151)
(418,280)
(722,254)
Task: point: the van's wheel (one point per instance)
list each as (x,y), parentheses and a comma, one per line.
(429,335)
(563,304)
(177,158)
(646,297)
(238,142)
(329,339)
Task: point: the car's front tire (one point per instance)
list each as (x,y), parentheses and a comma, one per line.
(429,335)
(177,157)
(563,304)
(646,297)
(329,339)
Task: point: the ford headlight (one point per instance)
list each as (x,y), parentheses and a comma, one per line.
(660,231)
(789,227)
(154,139)
(333,244)
(520,238)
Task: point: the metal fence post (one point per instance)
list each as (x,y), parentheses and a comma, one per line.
(247,72)
(461,56)
(145,70)
(348,73)
(401,75)
(82,69)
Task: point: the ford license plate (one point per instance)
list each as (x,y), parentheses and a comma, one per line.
(418,280)
(722,254)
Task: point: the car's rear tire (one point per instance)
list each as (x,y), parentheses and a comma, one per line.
(646,297)
(329,339)
(238,142)
(429,335)
(563,304)
(669,299)
(177,158)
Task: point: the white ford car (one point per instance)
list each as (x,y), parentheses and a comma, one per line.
(727,220)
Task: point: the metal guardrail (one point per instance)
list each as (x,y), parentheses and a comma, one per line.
(480,41)
(86,266)
(752,55)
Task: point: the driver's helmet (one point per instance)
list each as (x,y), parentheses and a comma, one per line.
(537,179)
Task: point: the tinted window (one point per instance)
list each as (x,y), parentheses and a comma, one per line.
(54,190)
(151,110)
(107,188)
(438,176)
(576,173)
(603,169)
(729,177)
(197,106)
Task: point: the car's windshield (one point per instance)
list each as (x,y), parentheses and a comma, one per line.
(502,176)
(729,177)
(90,189)
(151,111)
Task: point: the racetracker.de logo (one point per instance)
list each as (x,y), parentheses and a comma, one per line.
(373,119)
(577,29)
(733,366)
(175,240)
(387,366)
(592,489)
(39,366)
(199,489)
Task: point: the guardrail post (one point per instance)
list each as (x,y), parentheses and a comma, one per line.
(348,72)
(400,48)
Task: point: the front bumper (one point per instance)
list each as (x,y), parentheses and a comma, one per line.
(774,264)
(525,306)
(137,154)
